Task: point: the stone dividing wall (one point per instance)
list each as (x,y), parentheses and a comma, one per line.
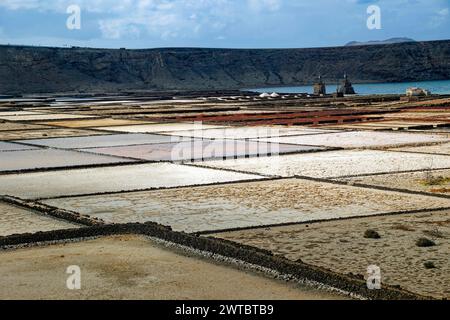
(246,254)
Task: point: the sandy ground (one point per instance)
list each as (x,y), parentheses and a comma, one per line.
(424,181)
(202,149)
(111,179)
(436,149)
(341,246)
(109,140)
(163,127)
(360,139)
(335,164)
(93,123)
(6,126)
(245,204)
(15,220)
(52,158)
(52,133)
(132,267)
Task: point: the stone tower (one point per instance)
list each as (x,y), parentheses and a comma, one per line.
(346,86)
(320,87)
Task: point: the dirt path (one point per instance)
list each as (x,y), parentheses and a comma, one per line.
(133,267)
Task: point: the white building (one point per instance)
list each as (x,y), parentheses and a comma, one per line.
(417,92)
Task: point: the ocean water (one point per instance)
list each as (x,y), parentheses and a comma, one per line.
(437,87)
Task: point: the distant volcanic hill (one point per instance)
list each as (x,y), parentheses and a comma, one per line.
(42,69)
(388,41)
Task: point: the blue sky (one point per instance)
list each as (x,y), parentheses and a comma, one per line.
(219,23)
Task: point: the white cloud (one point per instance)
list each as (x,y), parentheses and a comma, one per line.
(20,4)
(439,18)
(168,20)
(443,12)
(116,29)
(98,6)
(265,5)
(158,18)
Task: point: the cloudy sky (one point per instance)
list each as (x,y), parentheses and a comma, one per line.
(219,23)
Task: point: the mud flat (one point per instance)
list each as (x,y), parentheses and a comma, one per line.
(341,246)
(9,146)
(94,123)
(202,149)
(242,205)
(45,133)
(99,141)
(435,149)
(334,164)
(247,132)
(360,139)
(162,127)
(434,182)
(134,267)
(15,220)
(51,158)
(111,179)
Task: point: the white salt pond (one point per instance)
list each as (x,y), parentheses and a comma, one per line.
(162,127)
(360,139)
(15,220)
(334,163)
(247,132)
(112,179)
(18,113)
(436,149)
(43,117)
(246,204)
(100,141)
(9,146)
(202,149)
(51,158)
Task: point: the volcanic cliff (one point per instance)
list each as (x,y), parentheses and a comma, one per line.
(44,69)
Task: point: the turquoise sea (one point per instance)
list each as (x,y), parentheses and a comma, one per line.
(438,87)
